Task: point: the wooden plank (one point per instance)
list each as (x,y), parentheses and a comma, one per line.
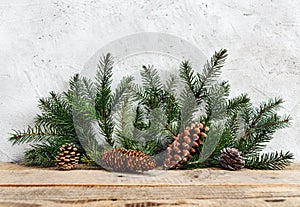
(15,174)
(182,195)
(21,186)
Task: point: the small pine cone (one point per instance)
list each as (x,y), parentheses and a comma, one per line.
(126,160)
(231,159)
(185,145)
(67,157)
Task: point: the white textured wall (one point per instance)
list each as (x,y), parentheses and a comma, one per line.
(44,42)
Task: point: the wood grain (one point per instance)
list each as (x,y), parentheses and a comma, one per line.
(23,186)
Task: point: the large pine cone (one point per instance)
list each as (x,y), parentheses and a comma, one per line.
(67,157)
(185,145)
(231,159)
(125,160)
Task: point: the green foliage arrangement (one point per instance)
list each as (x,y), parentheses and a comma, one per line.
(257,124)
(146,117)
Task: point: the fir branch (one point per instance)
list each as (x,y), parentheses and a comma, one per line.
(174,130)
(83,99)
(39,157)
(84,109)
(260,135)
(29,135)
(43,154)
(273,122)
(151,92)
(226,139)
(104,73)
(254,143)
(232,125)
(263,111)
(138,92)
(172,112)
(73,82)
(153,147)
(188,76)
(123,117)
(151,80)
(229,134)
(124,124)
(216,101)
(153,95)
(56,114)
(270,161)
(212,69)
(141,121)
(87,138)
(52,128)
(260,125)
(84,116)
(121,90)
(56,120)
(188,106)
(157,120)
(153,131)
(104,97)
(237,104)
(106,127)
(127,142)
(193,163)
(171,84)
(247,114)
(268,108)
(88,89)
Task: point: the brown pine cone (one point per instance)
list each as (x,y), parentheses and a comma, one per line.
(128,160)
(185,145)
(67,157)
(231,159)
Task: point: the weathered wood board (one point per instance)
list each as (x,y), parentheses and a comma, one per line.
(24,186)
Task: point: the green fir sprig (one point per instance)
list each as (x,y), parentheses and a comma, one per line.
(270,161)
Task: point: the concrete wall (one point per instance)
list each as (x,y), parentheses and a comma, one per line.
(42,43)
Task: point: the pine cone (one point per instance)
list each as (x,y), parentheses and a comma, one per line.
(125,160)
(231,159)
(67,157)
(185,145)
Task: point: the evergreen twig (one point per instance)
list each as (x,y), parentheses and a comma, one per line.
(261,123)
(212,69)
(270,161)
(29,135)
(103,101)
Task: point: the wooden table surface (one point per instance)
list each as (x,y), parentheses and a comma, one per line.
(27,186)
